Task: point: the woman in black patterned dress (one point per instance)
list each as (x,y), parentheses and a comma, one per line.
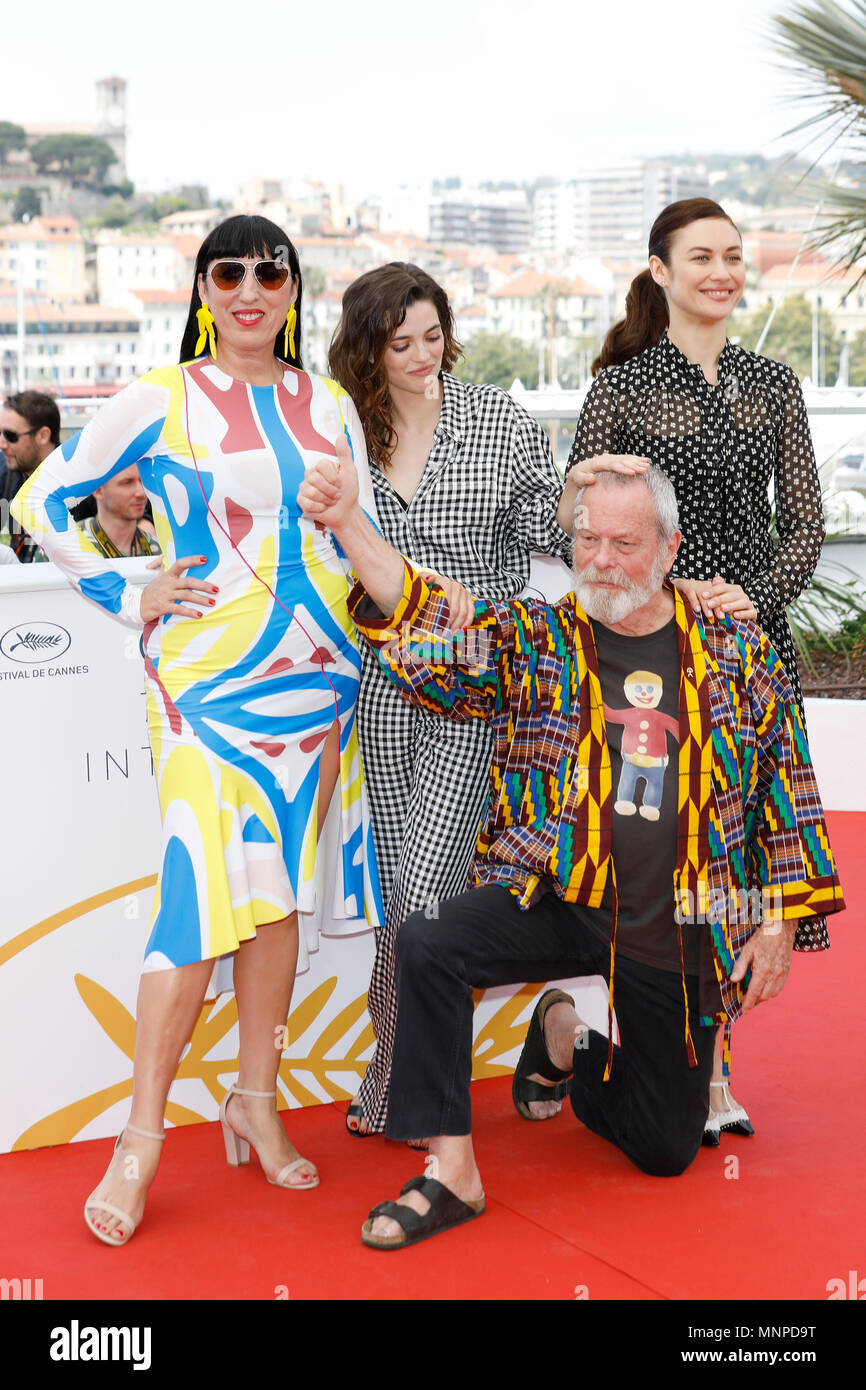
(723,424)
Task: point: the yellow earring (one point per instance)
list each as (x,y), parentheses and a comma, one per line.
(289,339)
(207,330)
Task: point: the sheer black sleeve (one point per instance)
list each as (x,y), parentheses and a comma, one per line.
(596,431)
(799,512)
(537,489)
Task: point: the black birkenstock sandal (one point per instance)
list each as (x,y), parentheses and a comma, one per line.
(446,1210)
(534,1060)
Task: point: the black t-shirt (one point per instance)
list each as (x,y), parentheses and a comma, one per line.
(640,687)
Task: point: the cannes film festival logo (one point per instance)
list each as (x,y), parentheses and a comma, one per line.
(35,642)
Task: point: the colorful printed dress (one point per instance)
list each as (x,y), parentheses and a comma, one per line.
(240,701)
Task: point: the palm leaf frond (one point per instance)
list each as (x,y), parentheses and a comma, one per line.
(822,46)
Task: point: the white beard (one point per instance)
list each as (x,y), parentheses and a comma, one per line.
(614,606)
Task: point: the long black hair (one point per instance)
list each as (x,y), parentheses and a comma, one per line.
(239,237)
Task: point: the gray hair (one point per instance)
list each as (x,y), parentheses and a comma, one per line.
(661,490)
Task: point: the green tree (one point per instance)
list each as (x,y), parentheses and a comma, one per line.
(495,359)
(823,46)
(12,137)
(114,214)
(314,281)
(82,158)
(857,360)
(546,300)
(125,189)
(27,204)
(790,337)
(574,368)
(163,206)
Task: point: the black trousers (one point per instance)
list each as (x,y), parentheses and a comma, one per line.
(654,1105)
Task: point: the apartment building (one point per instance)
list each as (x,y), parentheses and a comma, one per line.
(521,308)
(502,220)
(70,346)
(609,211)
(131,261)
(46,256)
(162,316)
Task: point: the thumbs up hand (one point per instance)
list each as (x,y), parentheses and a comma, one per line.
(329,491)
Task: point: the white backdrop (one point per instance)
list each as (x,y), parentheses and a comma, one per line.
(80,835)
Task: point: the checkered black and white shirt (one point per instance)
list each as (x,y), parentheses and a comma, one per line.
(486,499)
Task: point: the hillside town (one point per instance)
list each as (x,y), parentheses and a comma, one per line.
(94,280)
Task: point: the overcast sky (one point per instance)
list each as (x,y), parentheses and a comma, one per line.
(393,91)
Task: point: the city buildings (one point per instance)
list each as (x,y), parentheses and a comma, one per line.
(136,260)
(45,256)
(536,307)
(823,287)
(72,349)
(547,264)
(502,220)
(609,211)
(162,316)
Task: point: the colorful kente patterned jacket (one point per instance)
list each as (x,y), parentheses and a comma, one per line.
(751,832)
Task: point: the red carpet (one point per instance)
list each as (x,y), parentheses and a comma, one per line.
(565,1211)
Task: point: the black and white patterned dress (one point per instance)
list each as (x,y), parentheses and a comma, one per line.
(486,499)
(722,446)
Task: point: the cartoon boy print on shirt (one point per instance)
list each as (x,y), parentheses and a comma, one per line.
(644,744)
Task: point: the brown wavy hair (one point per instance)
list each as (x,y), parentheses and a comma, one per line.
(646,307)
(374,306)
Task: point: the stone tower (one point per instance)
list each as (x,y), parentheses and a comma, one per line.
(111,123)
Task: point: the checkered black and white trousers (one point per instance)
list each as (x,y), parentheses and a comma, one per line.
(426,781)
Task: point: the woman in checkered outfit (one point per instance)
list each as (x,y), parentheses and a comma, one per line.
(465,484)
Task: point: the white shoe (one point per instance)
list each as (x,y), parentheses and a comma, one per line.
(624,808)
(649,812)
(732,1120)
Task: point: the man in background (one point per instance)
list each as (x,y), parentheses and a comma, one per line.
(29,432)
(117,529)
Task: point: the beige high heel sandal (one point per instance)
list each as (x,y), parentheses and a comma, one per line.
(238,1149)
(100,1205)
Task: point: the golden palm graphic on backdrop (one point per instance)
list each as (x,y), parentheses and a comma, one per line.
(333,1052)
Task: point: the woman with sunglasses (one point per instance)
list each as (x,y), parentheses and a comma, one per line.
(252,671)
(722,423)
(464,482)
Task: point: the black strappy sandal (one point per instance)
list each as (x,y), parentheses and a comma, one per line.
(534,1060)
(354,1111)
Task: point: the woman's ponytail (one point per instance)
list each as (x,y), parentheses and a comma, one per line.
(644,325)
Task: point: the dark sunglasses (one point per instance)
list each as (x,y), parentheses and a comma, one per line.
(12,436)
(230,275)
